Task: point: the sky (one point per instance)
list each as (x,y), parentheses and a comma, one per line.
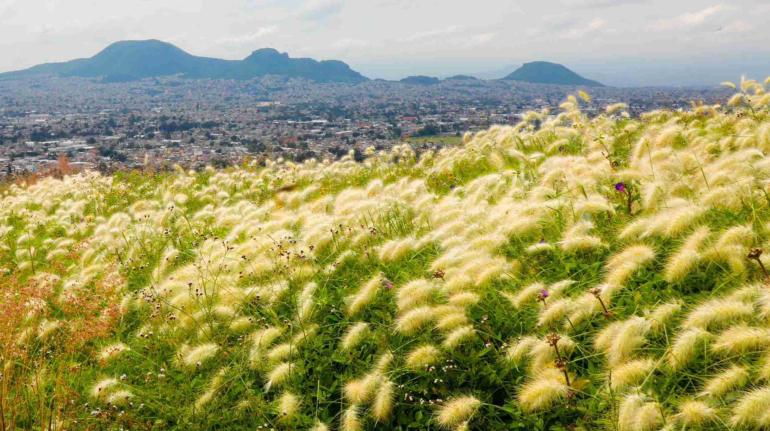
(619,42)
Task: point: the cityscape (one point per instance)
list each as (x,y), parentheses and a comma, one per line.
(159,122)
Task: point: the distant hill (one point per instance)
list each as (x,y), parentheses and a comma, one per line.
(420,80)
(543,72)
(461,78)
(133,60)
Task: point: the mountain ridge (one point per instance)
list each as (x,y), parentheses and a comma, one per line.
(138,59)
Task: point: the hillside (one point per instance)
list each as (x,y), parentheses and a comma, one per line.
(420,80)
(566,273)
(543,72)
(133,60)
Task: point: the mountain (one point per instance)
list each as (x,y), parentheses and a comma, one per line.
(543,72)
(461,78)
(420,80)
(133,60)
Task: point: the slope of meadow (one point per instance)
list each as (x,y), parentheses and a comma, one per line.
(565,273)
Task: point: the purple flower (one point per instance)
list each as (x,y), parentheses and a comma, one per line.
(543,294)
(621,187)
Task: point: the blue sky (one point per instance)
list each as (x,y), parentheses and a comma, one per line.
(621,42)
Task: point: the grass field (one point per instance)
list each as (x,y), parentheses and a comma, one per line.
(591,273)
(446,140)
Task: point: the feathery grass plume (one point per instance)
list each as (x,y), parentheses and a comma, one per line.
(660,316)
(686,345)
(741,339)
(422,357)
(365,295)
(718,312)
(278,375)
(263,338)
(280,352)
(212,389)
(527,294)
(729,380)
(631,373)
(457,410)
(396,249)
(543,353)
(351,420)
(684,260)
(119,398)
(620,340)
(464,299)
(196,356)
(288,406)
(413,294)
(354,335)
(731,247)
(101,390)
(621,266)
(539,247)
(458,336)
(112,351)
(522,348)
(360,391)
(615,107)
(695,414)
(554,313)
(319,426)
(241,324)
(638,414)
(305,302)
(753,410)
(382,407)
(414,319)
(577,239)
(542,392)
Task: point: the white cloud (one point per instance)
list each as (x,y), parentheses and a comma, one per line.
(350,43)
(320,9)
(600,3)
(477,40)
(737,26)
(431,34)
(690,19)
(249,38)
(581,31)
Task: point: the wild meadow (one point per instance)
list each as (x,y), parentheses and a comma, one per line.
(572,272)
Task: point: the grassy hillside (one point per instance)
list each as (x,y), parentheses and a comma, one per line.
(601,273)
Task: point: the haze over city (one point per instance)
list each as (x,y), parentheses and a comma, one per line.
(619,42)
